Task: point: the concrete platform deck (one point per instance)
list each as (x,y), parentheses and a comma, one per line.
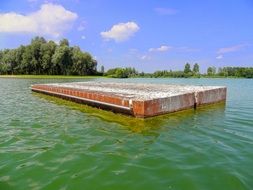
(139,100)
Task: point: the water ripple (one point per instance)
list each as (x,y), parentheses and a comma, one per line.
(47,143)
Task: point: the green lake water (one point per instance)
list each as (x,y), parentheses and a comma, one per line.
(49,143)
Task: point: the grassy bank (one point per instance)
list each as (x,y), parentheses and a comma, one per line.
(48,77)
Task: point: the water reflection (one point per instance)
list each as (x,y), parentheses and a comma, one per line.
(149,126)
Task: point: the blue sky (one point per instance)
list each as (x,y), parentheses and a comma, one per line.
(147,35)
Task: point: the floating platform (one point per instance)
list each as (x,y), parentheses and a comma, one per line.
(139,100)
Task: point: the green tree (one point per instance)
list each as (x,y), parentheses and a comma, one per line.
(64,42)
(25,61)
(79,62)
(62,60)
(196,68)
(47,51)
(1,56)
(91,64)
(248,73)
(187,68)
(36,44)
(122,72)
(211,71)
(18,53)
(9,61)
(42,57)
(4,68)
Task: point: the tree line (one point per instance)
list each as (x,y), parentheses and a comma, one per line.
(43,57)
(239,72)
(121,72)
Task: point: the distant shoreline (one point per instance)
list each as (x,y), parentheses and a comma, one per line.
(49,77)
(94,77)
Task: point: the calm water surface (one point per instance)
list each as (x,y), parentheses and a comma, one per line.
(48,143)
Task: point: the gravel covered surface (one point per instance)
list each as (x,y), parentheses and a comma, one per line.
(137,91)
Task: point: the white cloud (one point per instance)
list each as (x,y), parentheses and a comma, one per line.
(219,57)
(120,32)
(163,48)
(165,11)
(83,37)
(231,48)
(50,19)
(145,57)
